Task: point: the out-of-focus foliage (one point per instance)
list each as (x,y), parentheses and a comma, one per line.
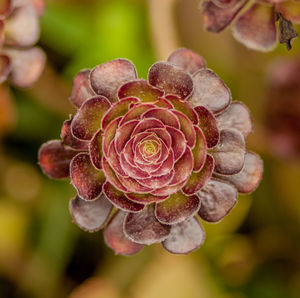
(252,253)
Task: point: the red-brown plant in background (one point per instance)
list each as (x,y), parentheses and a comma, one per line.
(163,152)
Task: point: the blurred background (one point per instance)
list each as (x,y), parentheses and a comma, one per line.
(253,252)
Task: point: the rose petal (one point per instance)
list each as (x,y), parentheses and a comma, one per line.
(5,67)
(109,134)
(209,91)
(197,180)
(168,190)
(145,198)
(107,78)
(178,142)
(165,116)
(111,176)
(217,199)
(54,159)
(208,125)
(177,208)
(256,28)
(229,154)
(119,199)
(290,10)
(123,134)
(82,89)
(140,89)
(183,167)
(22,27)
(115,238)
(216,19)
(187,127)
(186,59)
(185,237)
(68,138)
(136,112)
(86,179)
(95,149)
(26,65)
(144,228)
(87,121)
(200,150)
(248,178)
(118,109)
(184,107)
(236,116)
(171,79)
(90,215)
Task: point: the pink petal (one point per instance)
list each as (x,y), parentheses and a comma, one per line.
(107,78)
(187,60)
(171,79)
(115,238)
(86,179)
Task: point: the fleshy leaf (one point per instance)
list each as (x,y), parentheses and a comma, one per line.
(95,149)
(177,208)
(115,238)
(178,142)
(209,91)
(123,134)
(140,89)
(217,199)
(136,112)
(249,177)
(55,158)
(133,186)
(168,190)
(5,67)
(82,89)
(171,79)
(87,121)
(145,198)
(90,215)
(256,27)
(185,237)
(119,199)
(290,10)
(208,125)
(144,228)
(165,116)
(186,59)
(157,182)
(229,154)
(199,179)
(107,78)
(86,179)
(5,8)
(200,149)
(236,116)
(109,134)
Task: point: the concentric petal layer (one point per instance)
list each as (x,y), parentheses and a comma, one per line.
(119,199)
(229,154)
(144,228)
(55,158)
(140,89)
(185,237)
(236,116)
(107,78)
(177,208)
(208,125)
(170,79)
(86,179)
(249,177)
(90,215)
(256,27)
(187,60)
(198,179)
(115,238)
(87,121)
(217,18)
(209,91)
(82,89)
(217,199)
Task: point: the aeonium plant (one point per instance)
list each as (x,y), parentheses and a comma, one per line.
(20,62)
(150,159)
(254,22)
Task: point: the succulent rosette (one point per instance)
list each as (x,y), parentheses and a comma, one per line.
(161,153)
(20,62)
(254,22)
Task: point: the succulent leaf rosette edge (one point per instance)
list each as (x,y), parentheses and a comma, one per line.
(149,159)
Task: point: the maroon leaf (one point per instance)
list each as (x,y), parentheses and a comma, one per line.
(165,116)
(168,190)
(109,134)
(95,149)
(136,112)
(200,149)
(55,158)
(5,67)
(90,215)
(178,142)
(145,198)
